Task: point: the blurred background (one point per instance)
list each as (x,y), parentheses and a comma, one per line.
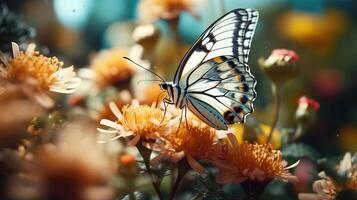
(322,32)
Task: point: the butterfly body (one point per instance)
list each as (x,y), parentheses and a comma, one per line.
(213,79)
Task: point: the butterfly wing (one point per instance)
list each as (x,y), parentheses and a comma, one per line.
(220,91)
(214,72)
(230,35)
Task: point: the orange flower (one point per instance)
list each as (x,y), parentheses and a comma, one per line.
(194,140)
(111,68)
(75,167)
(257,162)
(139,121)
(152,10)
(37,74)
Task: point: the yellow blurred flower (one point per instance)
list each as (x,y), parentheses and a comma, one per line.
(110,68)
(256,162)
(149,94)
(37,74)
(243,132)
(348,137)
(262,138)
(313,31)
(152,10)
(136,121)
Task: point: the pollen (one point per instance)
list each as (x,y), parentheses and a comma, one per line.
(251,161)
(139,119)
(255,156)
(33,66)
(194,139)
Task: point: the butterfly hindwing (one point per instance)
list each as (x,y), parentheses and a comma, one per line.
(225,86)
(230,35)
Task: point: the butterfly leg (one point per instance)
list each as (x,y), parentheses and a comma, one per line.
(166,104)
(186,116)
(179,125)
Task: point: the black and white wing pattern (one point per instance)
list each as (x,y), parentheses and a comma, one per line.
(215,74)
(230,35)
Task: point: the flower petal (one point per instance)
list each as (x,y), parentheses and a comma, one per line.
(15,49)
(195,165)
(44,100)
(111,124)
(134,141)
(293,165)
(115,110)
(30,48)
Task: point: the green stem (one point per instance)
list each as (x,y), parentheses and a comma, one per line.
(145,154)
(132,196)
(180,172)
(298,132)
(276,92)
(254,189)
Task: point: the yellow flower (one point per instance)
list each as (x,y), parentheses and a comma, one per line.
(149,94)
(110,68)
(37,74)
(314,31)
(242,131)
(152,10)
(192,140)
(256,162)
(263,137)
(139,121)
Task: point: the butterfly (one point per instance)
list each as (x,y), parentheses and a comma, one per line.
(213,79)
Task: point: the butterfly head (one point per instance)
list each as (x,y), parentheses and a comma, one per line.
(168,87)
(163,86)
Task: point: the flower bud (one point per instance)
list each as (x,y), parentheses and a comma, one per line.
(280,66)
(127,166)
(306,111)
(146,35)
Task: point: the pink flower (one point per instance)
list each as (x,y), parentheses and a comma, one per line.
(288,54)
(309,103)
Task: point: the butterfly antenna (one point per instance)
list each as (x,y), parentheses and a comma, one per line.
(145,68)
(140,81)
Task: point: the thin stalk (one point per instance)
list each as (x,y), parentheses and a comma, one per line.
(254,189)
(298,132)
(276,93)
(132,196)
(145,154)
(180,172)
(223,10)
(173,23)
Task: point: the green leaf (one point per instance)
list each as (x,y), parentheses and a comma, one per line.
(296,151)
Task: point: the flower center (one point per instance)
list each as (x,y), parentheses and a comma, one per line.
(34,67)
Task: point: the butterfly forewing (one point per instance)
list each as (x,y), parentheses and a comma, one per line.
(230,35)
